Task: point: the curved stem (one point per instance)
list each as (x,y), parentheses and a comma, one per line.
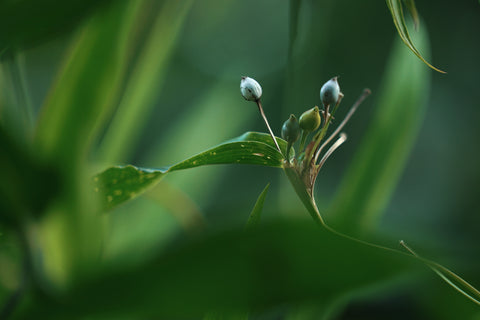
(306,196)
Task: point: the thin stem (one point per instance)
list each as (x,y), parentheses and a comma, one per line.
(259,104)
(363,96)
(338,143)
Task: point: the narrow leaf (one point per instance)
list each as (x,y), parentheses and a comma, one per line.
(144,84)
(413,11)
(376,167)
(86,88)
(452,279)
(395,7)
(254,218)
(121,183)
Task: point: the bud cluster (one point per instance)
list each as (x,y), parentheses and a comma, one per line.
(315,120)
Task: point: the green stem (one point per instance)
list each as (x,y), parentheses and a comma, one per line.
(302,141)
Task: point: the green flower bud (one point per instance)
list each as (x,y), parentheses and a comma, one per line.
(310,120)
(250,89)
(330,92)
(291,130)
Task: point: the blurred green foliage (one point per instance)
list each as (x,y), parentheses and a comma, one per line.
(85,85)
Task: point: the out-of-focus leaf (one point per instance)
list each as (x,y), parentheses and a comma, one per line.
(119,184)
(145,82)
(294,12)
(16,114)
(230,316)
(25,23)
(254,218)
(84,93)
(86,87)
(376,167)
(26,185)
(395,7)
(413,11)
(279,263)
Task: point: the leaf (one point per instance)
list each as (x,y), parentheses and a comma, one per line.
(274,264)
(121,183)
(86,88)
(77,106)
(452,279)
(395,7)
(413,11)
(254,218)
(27,23)
(27,185)
(294,12)
(381,157)
(148,75)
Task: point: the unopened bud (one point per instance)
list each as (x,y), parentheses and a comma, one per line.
(250,89)
(330,92)
(310,119)
(291,130)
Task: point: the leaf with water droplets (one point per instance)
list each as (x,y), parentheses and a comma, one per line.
(119,184)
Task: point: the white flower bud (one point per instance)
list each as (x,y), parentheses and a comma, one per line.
(250,89)
(330,92)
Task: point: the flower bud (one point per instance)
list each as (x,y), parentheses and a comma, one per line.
(330,92)
(291,130)
(310,120)
(250,89)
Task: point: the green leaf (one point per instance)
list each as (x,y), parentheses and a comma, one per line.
(119,184)
(452,279)
(27,185)
(294,12)
(143,86)
(395,7)
(29,22)
(274,264)
(413,11)
(381,157)
(254,218)
(87,86)
(78,104)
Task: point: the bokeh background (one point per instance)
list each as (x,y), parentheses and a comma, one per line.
(192,55)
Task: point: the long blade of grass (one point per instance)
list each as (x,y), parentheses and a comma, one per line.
(395,7)
(452,279)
